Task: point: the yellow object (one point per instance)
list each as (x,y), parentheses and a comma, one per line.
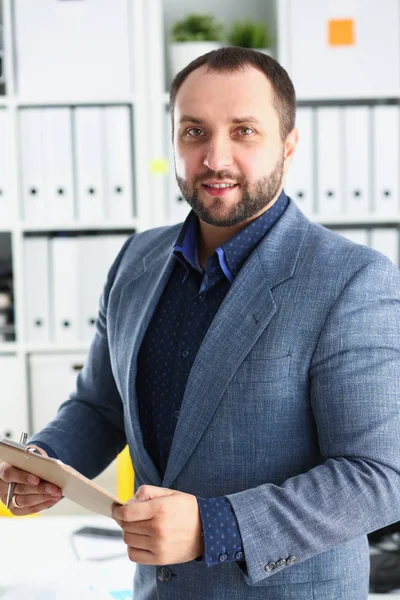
(341,32)
(125,475)
(159,166)
(4,512)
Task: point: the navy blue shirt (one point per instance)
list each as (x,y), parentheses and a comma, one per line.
(182,317)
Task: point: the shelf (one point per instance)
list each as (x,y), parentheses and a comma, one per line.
(8,348)
(371,219)
(20,101)
(54,347)
(364,96)
(27,227)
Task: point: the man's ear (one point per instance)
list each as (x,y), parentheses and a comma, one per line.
(290,147)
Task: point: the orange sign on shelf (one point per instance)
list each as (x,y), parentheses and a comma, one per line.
(341,32)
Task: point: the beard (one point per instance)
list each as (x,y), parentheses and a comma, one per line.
(252,201)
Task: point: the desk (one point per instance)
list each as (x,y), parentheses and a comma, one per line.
(41,545)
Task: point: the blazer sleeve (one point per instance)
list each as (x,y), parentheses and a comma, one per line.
(88,429)
(354,380)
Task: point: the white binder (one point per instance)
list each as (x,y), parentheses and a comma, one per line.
(52,379)
(386,153)
(57,158)
(65,289)
(357,160)
(31,145)
(97,253)
(386,240)
(90,163)
(13,410)
(177,207)
(8,204)
(359,236)
(72,48)
(329,161)
(299,181)
(37,289)
(119,190)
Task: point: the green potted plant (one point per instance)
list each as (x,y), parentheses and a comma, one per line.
(248,34)
(191,37)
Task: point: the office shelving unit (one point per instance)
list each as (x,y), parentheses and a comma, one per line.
(18,227)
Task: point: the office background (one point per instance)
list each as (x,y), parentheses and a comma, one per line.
(86,156)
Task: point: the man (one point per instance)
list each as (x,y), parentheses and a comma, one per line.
(251,360)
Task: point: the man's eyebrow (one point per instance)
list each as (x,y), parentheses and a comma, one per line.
(248,119)
(190,119)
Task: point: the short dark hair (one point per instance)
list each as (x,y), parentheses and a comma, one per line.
(232,59)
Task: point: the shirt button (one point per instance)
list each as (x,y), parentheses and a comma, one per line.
(291,560)
(222,557)
(239,555)
(164,574)
(270,567)
(177,413)
(185,353)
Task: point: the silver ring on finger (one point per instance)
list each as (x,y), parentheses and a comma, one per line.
(15,502)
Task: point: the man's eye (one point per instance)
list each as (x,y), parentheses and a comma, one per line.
(194,132)
(245,131)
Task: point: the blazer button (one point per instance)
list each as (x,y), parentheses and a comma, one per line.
(270,567)
(281,562)
(291,560)
(222,557)
(164,574)
(239,555)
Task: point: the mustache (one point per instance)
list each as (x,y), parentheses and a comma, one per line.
(219,176)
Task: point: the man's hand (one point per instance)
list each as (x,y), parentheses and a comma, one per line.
(31,494)
(161,526)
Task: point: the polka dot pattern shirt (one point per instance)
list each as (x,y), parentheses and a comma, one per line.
(182,317)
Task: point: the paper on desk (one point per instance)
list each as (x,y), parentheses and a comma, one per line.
(83,581)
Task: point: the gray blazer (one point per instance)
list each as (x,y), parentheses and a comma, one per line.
(291,410)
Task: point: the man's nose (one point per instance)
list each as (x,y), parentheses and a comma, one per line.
(218,154)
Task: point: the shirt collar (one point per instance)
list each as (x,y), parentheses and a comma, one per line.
(233,253)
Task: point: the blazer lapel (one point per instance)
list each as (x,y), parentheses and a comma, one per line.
(138,301)
(242,317)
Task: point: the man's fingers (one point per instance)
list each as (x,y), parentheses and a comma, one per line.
(22,512)
(140,542)
(43,488)
(10,474)
(33,500)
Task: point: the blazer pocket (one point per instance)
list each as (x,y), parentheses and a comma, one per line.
(261,370)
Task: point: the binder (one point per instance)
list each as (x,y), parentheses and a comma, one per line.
(343,47)
(37,289)
(299,181)
(118,156)
(96,255)
(8,202)
(31,145)
(13,410)
(52,378)
(329,163)
(74,485)
(90,163)
(359,236)
(386,158)
(357,160)
(177,207)
(386,240)
(72,48)
(57,159)
(65,289)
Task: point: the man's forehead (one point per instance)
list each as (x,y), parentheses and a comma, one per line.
(236,94)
